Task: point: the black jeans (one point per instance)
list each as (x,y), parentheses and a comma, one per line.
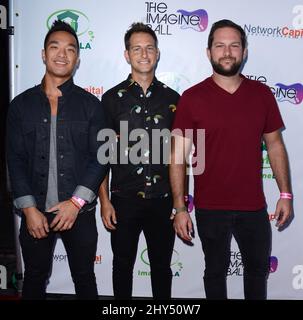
(152,217)
(80,243)
(252,232)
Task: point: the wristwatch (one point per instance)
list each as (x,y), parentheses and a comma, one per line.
(178,210)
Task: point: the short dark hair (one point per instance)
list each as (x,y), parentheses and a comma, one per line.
(223,24)
(59,25)
(139,27)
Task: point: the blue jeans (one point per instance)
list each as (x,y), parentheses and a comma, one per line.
(252,231)
(152,217)
(80,243)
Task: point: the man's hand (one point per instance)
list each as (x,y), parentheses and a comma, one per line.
(283,211)
(66,216)
(108,215)
(36,223)
(183,225)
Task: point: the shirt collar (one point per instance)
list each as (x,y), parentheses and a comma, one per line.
(65,87)
(132,82)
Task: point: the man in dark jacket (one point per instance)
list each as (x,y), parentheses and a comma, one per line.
(52,159)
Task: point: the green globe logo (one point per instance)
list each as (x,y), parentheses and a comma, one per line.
(76,19)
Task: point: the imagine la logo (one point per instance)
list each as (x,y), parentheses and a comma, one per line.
(266,164)
(78,21)
(176,265)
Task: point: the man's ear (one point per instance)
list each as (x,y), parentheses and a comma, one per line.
(208,53)
(43,55)
(245,53)
(126,56)
(158,54)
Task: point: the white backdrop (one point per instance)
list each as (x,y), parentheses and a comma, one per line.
(275,58)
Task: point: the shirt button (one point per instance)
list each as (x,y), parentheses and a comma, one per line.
(61,174)
(45,120)
(61,156)
(145,111)
(141,95)
(146,128)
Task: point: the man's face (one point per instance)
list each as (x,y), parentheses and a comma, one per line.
(60,55)
(226,53)
(142,54)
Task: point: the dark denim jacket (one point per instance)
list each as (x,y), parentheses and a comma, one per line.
(80,116)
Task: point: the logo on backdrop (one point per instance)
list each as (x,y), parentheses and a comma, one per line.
(297,282)
(296,90)
(266,168)
(190,203)
(273,264)
(236,267)
(275,32)
(97,91)
(176,265)
(295,31)
(63,258)
(174,80)
(78,21)
(161,20)
(3,17)
(292,93)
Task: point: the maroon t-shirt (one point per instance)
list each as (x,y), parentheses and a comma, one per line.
(234,125)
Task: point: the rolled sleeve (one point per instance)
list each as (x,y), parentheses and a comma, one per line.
(25,202)
(84,193)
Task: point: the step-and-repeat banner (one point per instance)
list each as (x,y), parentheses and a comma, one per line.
(275,44)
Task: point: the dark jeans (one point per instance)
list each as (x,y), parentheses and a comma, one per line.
(80,244)
(252,232)
(152,217)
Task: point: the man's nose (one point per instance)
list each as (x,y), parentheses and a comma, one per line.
(227,52)
(62,52)
(144,52)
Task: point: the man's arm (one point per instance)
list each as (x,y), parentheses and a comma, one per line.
(280,166)
(18,171)
(95,171)
(177,171)
(17,156)
(107,210)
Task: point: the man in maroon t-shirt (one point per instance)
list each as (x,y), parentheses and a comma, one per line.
(236,114)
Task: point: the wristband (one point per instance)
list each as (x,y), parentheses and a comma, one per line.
(285,195)
(80,201)
(74,203)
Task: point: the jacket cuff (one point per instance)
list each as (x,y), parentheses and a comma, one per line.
(84,193)
(25,202)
